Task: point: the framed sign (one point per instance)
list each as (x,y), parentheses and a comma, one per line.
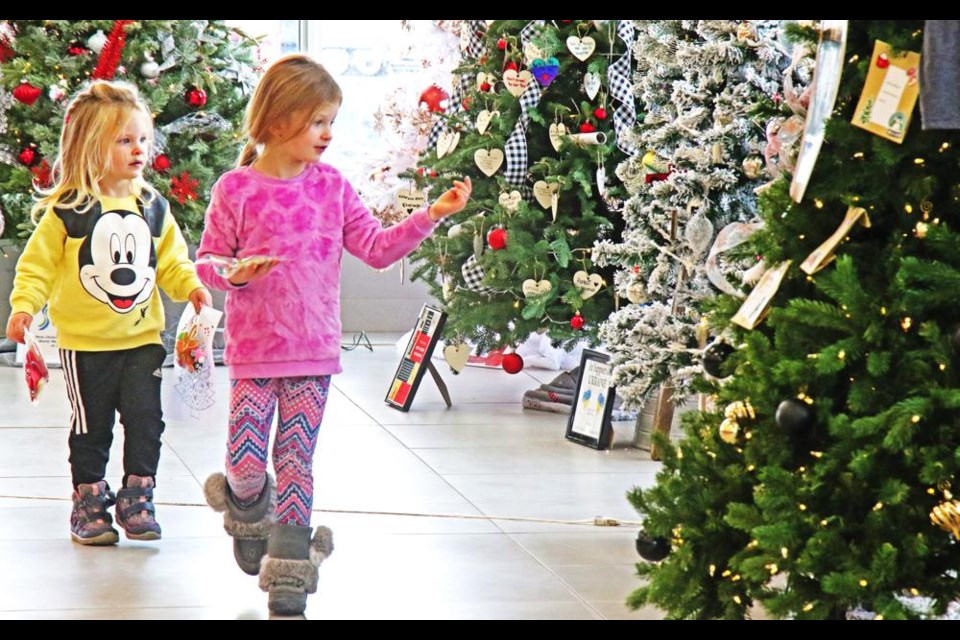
(416,359)
(589,422)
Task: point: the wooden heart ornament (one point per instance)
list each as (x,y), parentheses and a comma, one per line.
(484,118)
(410,200)
(581,48)
(545,192)
(532,288)
(557,131)
(591,84)
(510,201)
(517,81)
(456,356)
(588,284)
(489,160)
(447,142)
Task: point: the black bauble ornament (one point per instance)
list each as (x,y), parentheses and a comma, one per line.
(714,356)
(795,416)
(652,549)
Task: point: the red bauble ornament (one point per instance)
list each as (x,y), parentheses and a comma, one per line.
(497,239)
(466,103)
(577,321)
(586,127)
(501,44)
(600,113)
(433,96)
(433,174)
(196,97)
(77,49)
(484,86)
(161,163)
(6,52)
(27,157)
(883,61)
(511,65)
(512,363)
(27,93)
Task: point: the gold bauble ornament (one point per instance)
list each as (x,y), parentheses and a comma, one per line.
(729,430)
(946,515)
(752,167)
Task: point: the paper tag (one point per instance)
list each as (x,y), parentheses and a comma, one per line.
(823,255)
(510,201)
(581,48)
(755,307)
(447,142)
(544,192)
(489,160)
(533,288)
(410,200)
(591,83)
(889,93)
(557,131)
(517,81)
(531,52)
(588,284)
(484,118)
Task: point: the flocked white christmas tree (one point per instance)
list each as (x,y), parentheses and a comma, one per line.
(697,82)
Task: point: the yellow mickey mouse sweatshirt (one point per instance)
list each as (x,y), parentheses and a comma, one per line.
(100,271)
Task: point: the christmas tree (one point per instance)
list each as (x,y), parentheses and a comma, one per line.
(534,122)
(195,75)
(822,483)
(698,81)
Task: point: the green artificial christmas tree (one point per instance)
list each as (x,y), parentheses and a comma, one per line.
(821,486)
(195,75)
(534,123)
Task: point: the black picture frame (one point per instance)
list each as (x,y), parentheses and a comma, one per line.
(589,422)
(416,358)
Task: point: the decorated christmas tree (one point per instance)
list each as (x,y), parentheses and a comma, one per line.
(534,121)
(822,484)
(195,75)
(692,191)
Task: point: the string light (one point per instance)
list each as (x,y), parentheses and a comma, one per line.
(913,590)
(883,311)
(915,419)
(863,583)
(712,570)
(878,506)
(842,355)
(784,552)
(737,599)
(918,161)
(751,467)
(818,203)
(817,454)
(808,607)
(906,323)
(802,507)
(908,208)
(858,155)
(943,367)
(824,522)
(944,147)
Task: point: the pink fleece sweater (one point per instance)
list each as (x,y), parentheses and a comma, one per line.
(288,323)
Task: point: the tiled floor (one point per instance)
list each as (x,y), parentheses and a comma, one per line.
(420,504)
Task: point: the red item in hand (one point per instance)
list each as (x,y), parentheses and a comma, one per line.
(34,368)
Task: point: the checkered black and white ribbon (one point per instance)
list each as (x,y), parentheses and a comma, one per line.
(516,146)
(473,51)
(473,275)
(621,88)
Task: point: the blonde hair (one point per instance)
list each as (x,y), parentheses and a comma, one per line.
(93,120)
(290,93)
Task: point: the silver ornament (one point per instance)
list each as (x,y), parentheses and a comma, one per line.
(150,69)
(96,42)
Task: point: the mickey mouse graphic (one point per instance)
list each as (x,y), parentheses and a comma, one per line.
(117,258)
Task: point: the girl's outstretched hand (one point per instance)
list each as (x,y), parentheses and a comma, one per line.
(451,201)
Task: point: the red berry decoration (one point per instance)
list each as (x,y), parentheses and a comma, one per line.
(27,93)
(161,163)
(27,157)
(883,61)
(501,44)
(433,96)
(586,127)
(484,86)
(577,321)
(497,239)
(197,97)
(600,113)
(512,363)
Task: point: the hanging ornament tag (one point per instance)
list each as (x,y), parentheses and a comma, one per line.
(532,288)
(544,192)
(588,284)
(517,81)
(755,308)
(889,94)
(456,356)
(636,293)
(465,35)
(557,132)
(410,200)
(484,118)
(554,203)
(823,255)
(531,52)
(602,180)
(447,142)
(510,201)
(489,160)
(478,244)
(591,83)
(581,48)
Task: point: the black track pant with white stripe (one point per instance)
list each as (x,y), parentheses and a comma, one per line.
(100,384)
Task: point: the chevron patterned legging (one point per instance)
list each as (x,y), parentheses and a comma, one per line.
(252,404)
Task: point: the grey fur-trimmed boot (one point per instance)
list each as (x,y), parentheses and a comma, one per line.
(249,526)
(290,569)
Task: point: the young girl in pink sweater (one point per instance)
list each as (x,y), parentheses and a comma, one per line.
(283,317)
